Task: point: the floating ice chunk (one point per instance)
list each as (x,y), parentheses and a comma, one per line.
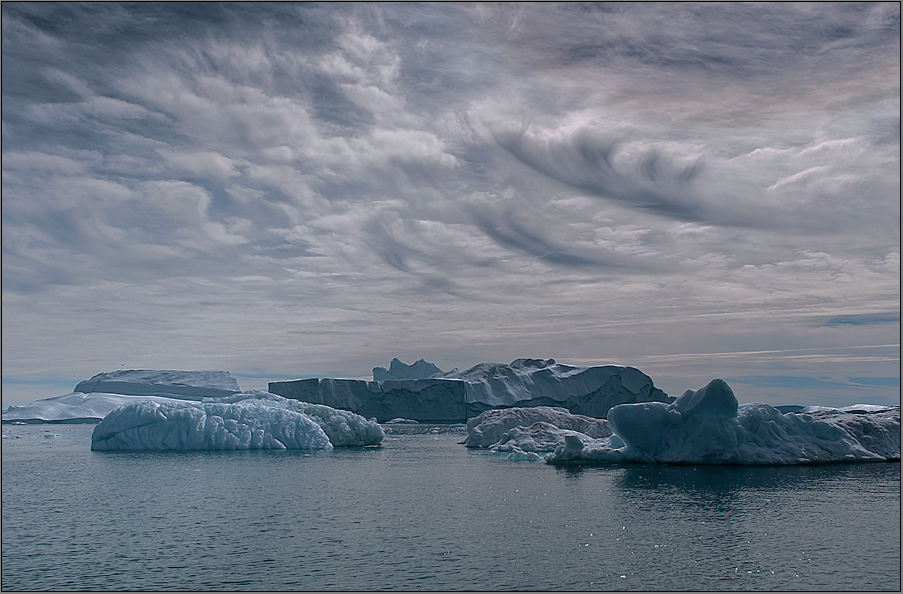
(538,437)
(489,427)
(402,421)
(518,455)
(207,426)
(707,426)
(856,408)
(255,420)
(579,447)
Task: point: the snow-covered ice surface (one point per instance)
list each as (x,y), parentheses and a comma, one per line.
(244,421)
(707,426)
(94,398)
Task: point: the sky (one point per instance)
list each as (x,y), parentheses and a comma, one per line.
(297,190)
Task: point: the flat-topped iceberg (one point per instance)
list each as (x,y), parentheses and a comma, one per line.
(244,421)
(456,396)
(169,383)
(94,398)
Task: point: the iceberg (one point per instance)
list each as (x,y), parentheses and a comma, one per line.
(243,421)
(490,427)
(708,426)
(456,396)
(96,397)
(183,385)
(529,443)
(397,370)
(73,408)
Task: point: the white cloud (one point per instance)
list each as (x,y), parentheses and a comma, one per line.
(203,163)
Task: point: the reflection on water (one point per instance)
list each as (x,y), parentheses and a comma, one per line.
(723,479)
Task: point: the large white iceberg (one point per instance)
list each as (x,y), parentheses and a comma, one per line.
(244,421)
(707,426)
(94,398)
(456,396)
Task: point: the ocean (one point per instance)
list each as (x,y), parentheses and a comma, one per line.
(422,512)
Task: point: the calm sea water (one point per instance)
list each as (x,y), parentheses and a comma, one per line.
(423,512)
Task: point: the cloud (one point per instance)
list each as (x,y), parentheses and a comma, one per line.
(590,163)
(332,186)
(505,229)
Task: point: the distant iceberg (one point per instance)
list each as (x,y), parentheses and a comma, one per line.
(456,396)
(397,370)
(708,426)
(424,393)
(169,383)
(94,398)
(244,421)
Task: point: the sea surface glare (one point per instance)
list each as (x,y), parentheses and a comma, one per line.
(422,512)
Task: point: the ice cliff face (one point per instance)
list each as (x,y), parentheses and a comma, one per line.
(456,396)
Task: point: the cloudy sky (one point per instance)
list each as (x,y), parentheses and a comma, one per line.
(292,190)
